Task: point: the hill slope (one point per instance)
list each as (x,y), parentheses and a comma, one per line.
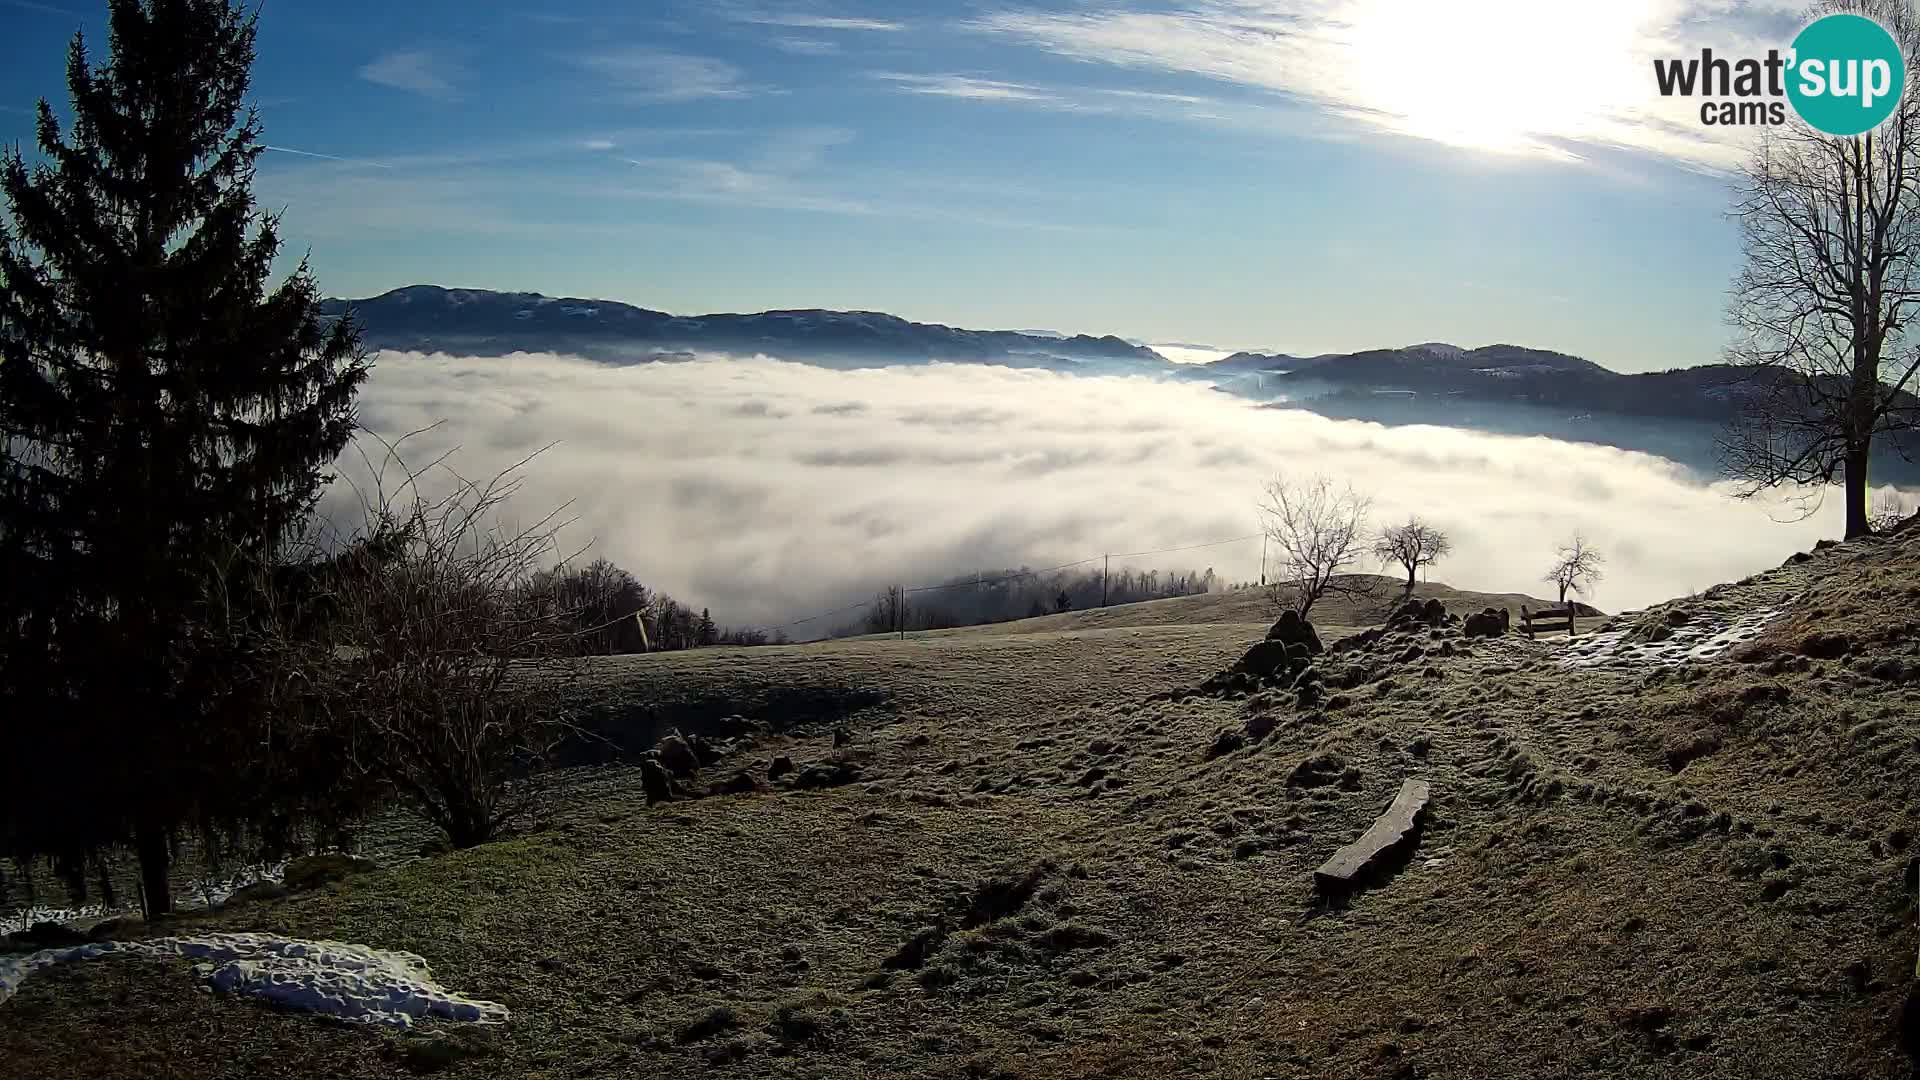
(1052,864)
(1369,600)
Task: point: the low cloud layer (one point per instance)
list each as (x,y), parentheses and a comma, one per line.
(770,491)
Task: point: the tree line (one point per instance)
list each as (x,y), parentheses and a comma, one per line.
(612,613)
(1005,595)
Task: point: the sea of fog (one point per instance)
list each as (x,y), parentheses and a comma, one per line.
(769,491)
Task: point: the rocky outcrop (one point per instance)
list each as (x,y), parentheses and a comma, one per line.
(1487,623)
(1292,629)
(676,755)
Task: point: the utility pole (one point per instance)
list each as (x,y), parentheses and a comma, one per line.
(1103,579)
(900,611)
(1263,557)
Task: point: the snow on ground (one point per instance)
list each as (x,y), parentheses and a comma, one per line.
(207,892)
(1693,643)
(352,982)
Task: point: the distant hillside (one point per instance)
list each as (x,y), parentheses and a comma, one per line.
(481,322)
(1503,389)
(1496,373)
(1336,613)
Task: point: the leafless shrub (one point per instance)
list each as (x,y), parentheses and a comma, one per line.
(1319,530)
(425,640)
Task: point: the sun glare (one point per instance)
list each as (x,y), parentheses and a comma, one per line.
(1501,75)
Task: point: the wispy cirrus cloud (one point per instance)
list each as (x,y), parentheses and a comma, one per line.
(418,71)
(806,46)
(812,21)
(1239,113)
(1072,98)
(43,9)
(1509,76)
(768,177)
(326,157)
(648,76)
(963,86)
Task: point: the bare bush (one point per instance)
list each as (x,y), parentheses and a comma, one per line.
(435,651)
(1319,531)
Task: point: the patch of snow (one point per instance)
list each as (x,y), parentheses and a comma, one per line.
(1690,644)
(523,313)
(1191,354)
(354,983)
(22,918)
(206,892)
(582,312)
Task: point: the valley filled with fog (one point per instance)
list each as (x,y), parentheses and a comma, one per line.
(772,491)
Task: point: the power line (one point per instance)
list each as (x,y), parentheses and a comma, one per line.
(1190,547)
(1015,575)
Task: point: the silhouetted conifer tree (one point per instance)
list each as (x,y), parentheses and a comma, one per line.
(161,404)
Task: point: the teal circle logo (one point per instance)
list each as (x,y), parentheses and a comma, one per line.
(1847,74)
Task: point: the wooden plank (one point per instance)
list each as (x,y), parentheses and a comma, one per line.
(1388,831)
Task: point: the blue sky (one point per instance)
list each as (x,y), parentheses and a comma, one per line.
(1305,175)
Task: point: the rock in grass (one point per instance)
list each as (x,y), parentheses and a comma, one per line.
(431,1051)
(257,891)
(676,756)
(1487,623)
(658,785)
(1294,630)
(827,774)
(913,955)
(781,766)
(45,935)
(1268,659)
(1226,743)
(313,871)
(707,1025)
(742,783)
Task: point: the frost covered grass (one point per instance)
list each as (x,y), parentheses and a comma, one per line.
(1046,870)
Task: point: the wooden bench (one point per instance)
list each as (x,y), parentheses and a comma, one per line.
(1342,872)
(1547,619)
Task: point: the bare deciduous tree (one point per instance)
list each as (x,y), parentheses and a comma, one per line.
(1576,568)
(1412,545)
(1831,231)
(1319,530)
(889,611)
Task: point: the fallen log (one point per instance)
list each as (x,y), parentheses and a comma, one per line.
(1344,870)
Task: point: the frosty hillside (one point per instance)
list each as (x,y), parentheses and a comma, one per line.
(668,626)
